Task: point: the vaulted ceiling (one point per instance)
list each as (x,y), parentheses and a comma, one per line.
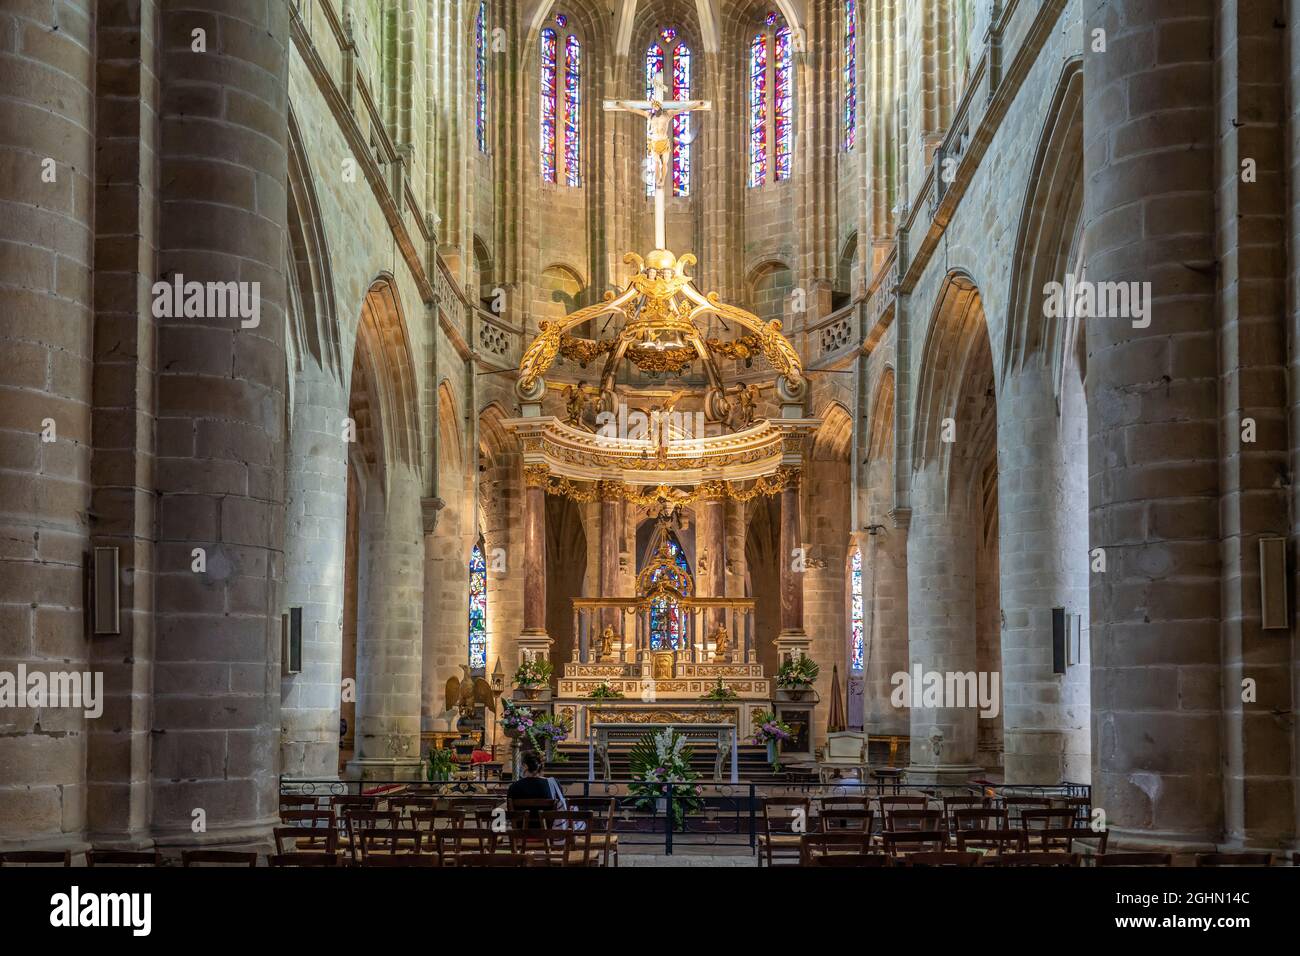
(708,11)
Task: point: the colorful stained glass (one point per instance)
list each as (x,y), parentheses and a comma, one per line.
(572,111)
(758,111)
(668,34)
(477,609)
(850,73)
(666,618)
(855,612)
(561,20)
(480,76)
(771,18)
(682,122)
(548,105)
(654,69)
(784,102)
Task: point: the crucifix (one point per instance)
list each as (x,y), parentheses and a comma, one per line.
(659,110)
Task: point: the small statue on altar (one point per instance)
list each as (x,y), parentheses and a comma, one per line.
(745,408)
(721,643)
(607,639)
(703,566)
(575,406)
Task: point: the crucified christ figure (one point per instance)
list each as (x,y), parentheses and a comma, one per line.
(659,110)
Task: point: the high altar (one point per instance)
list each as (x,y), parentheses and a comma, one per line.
(666,646)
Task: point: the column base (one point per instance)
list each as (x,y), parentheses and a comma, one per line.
(943,774)
(383,768)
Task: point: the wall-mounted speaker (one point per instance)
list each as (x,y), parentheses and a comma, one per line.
(1058,640)
(107,592)
(291,624)
(1272,584)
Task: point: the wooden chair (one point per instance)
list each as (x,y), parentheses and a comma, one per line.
(405,806)
(603,837)
(851,860)
(983,829)
(218,858)
(825,844)
(1234,859)
(901,842)
(582,824)
(1016,805)
(1134,859)
(356,821)
(302,859)
(898,821)
(1031,859)
(458,842)
(779,839)
(123,858)
(305,839)
(941,858)
(1062,839)
(887,804)
(308,820)
(295,801)
(843,803)
(351,801)
(848,821)
(36,858)
(529,811)
(1039,818)
(400,859)
(952,804)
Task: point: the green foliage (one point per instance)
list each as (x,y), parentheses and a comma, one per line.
(720,692)
(533,673)
(441,765)
(661,763)
(797,673)
(604,692)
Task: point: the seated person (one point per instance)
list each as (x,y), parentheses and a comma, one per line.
(534,786)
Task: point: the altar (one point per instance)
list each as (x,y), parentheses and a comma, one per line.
(722,734)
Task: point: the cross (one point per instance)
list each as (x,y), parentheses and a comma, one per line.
(659,111)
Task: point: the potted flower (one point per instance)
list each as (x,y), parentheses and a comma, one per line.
(797,675)
(719,691)
(661,766)
(546,732)
(532,676)
(770,732)
(440,766)
(604,692)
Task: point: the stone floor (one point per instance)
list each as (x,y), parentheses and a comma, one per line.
(685,855)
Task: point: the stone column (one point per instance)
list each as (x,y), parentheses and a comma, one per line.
(534,558)
(1043,560)
(390,632)
(47,115)
(221,415)
(315,544)
(710,539)
(791,579)
(941,543)
(1152,415)
(611,532)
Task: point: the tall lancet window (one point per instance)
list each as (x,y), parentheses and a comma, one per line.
(850,73)
(480,76)
(561,89)
(856,649)
(771,102)
(477,609)
(667,624)
(669,59)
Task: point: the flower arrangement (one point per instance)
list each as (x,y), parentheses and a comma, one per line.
(797,673)
(770,732)
(516,719)
(719,691)
(440,765)
(658,760)
(604,692)
(535,673)
(542,730)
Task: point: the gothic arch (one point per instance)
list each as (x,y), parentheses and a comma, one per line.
(450,439)
(880,438)
(1049,235)
(384,379)
(313,317)
(834,438)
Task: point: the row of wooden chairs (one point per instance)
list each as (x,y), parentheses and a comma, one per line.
(128,858)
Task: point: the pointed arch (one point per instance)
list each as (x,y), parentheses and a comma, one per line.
(880,442)
(834,438)
(450,438)
(313,320)
(384,380)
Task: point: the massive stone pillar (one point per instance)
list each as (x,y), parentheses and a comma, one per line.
(315,542)
(534,642)
(941,543)
(611,533)
(47,115)
(220,429)
(390,630)
(1152,415)
(1043,560)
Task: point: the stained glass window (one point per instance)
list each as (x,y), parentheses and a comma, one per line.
(572,110)
(855,610)
(675,57)
(667,622)
(477,609)
(758,111)
(784,102)
(548,104)
(850,73)
(480,76)
(771,68)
